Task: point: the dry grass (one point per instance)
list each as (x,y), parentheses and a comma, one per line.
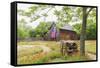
(35,55)
(25,55)
(90,46)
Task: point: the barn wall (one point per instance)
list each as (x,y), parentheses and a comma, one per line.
(68,35)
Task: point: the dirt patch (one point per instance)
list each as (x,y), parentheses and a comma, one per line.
(91,56)
(25,47)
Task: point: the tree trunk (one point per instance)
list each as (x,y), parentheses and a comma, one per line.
(83,32)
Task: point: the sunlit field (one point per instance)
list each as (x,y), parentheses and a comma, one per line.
(49,51)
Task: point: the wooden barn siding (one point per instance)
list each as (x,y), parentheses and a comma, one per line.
(68,35)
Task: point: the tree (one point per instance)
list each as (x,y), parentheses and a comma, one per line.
(77,29)
(64,16)
(40,30)
(90,29)
(23,29)
(83,31)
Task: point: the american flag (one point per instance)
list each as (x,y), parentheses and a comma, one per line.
(53,33)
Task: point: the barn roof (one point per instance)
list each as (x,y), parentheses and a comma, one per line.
(67,27)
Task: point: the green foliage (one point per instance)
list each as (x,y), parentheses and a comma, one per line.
(64,16)
(91,26)
(77,28)
(41,29)
(79,13)
(31,10)
(90,30)
(22,33)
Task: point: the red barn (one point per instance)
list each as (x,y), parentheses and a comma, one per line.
(64,33)
(67,33)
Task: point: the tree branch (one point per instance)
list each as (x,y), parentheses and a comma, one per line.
(89,11)
(57,10)
(47,13)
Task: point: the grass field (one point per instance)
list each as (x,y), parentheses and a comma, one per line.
(91,46)
(48,51)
